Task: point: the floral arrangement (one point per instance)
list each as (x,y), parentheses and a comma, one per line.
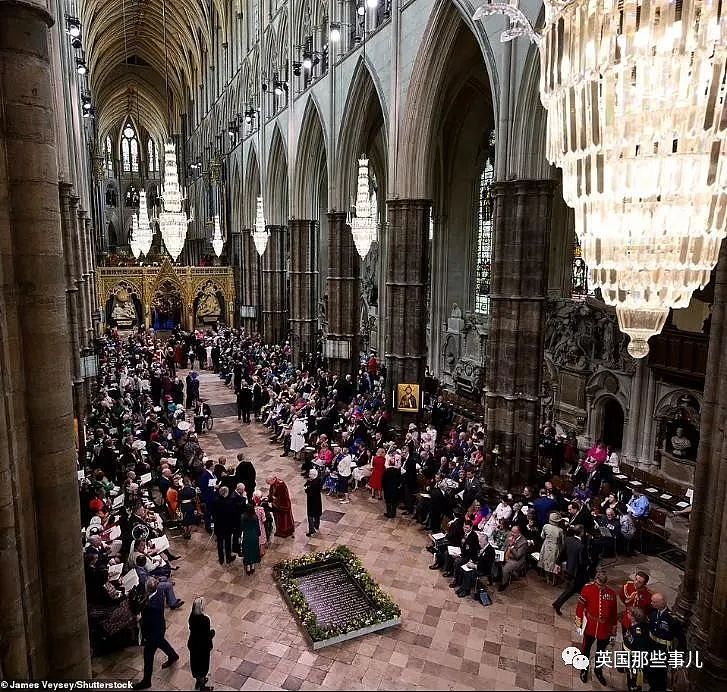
(383,607)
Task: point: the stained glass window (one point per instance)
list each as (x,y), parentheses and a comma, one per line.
(483,247)
(151,154)
(579,275)
(129,149)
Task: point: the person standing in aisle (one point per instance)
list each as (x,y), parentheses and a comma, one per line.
(153,630)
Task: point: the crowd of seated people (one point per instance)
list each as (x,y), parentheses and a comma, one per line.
(145,475)
(143,449)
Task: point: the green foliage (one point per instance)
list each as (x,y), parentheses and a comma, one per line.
(386,609)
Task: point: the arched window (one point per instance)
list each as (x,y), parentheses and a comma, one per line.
(151,156)
(483,247)
(129,149)
(108,154)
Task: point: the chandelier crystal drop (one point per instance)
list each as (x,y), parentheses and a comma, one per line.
(260,234)
(363,225)
(217,241)
(134,240)
(143,233)
(635,94)
(173,221)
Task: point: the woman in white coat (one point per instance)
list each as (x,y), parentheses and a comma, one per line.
(297,434)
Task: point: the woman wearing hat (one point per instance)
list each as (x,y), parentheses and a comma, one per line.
(552,535)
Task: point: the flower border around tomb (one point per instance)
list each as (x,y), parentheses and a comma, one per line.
(385,613)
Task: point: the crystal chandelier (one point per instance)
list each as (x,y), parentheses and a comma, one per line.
(172,221)
(363,225)
(635,97)
(260,234)
(134,239)
(143,234)
(217,241)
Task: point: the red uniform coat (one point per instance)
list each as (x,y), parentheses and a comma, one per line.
(600,607)
(632,597)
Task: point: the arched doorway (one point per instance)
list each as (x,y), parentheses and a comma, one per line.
(166,306)
(612,427)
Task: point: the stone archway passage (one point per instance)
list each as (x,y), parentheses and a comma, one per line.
(167,307)
(612,427)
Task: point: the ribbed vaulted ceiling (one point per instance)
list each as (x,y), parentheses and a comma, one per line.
(129,66)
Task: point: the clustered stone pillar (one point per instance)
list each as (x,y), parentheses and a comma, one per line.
(519,284)
(702,600)
(407,269)
(43,621)
(250,283)
(303,286)
(344,293)
(69,205)
(274,286)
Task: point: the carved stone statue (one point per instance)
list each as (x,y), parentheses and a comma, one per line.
(680,444)
(456,312)
(209,304)
(123,312)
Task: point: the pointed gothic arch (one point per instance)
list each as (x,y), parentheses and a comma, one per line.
(251,189)
(310,164)
(426,97)
(276,189)
(364,130)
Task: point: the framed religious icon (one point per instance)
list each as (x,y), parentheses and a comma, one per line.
(407,397)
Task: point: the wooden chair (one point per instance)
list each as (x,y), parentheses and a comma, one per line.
(654,526)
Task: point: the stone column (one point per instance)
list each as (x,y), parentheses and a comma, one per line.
(234,254)
(43,619)
(274,286)
(82,276)
(303,286)
(250,283)
(344,293)
(702,599)
(407,267)
(630,453)
(69,204)
(90,280)
(646,453)
(521,233)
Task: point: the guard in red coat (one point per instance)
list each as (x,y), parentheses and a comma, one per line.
(634,594)
(598,604)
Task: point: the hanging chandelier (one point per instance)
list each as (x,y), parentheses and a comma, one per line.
(134,239)
(173,221)
(363,225)
(143,234)
(635,95)
(217,241)
(260,234)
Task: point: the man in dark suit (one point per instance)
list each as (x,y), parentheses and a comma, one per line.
(244,402)
(153,629)
(580,515)
(575,556)
(245,473)
(225,516)
(544,505)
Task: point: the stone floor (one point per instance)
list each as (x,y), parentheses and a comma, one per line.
(443,643)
